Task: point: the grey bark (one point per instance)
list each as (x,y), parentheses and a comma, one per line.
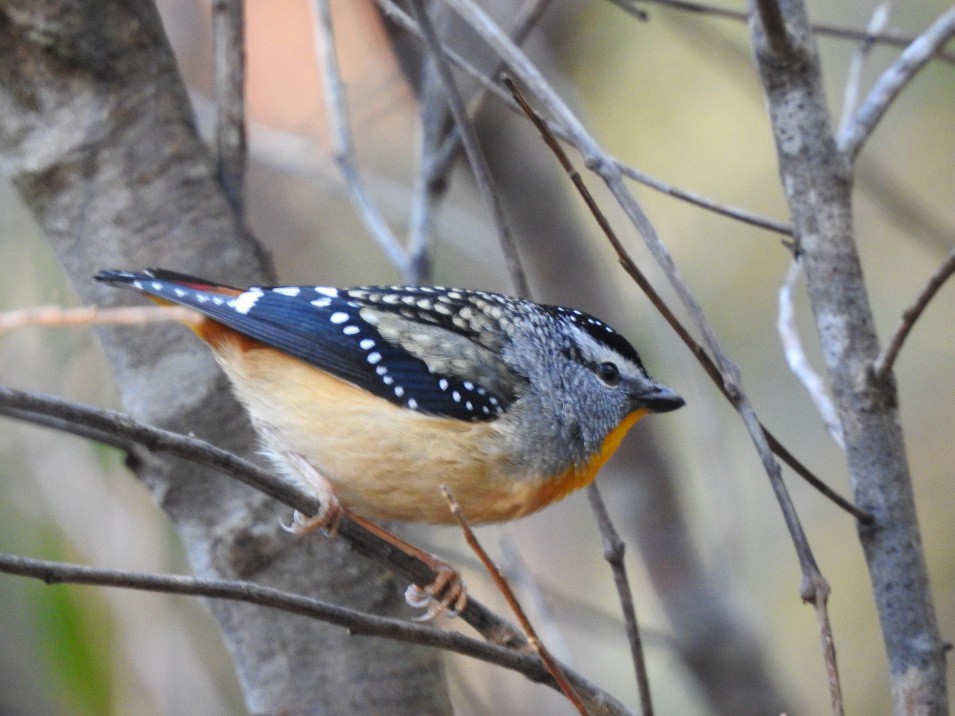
(96,133)
(817,180)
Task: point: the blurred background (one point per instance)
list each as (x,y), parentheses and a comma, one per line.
(675,96)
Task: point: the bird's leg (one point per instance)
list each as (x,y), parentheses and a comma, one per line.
(446,593)
(331,511)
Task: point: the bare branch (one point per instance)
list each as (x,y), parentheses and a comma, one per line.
(796,357)
(614,549)
(356,622)
(399,17)
(886,359)
(336,106)
(829,654)
(27,406)
(836,31)
(228,31)
(878,22)
(89,315)
(892,81)
(482,172)
(816,178)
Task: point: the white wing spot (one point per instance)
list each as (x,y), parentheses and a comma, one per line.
(325,291)
(456,396)
(399,391)
(179,292)
(202,298)
(321,302)
(387,380)
(218,301)
(245,301)
(367,344)
(381,370)
(469,385)
(412,403)
(370,318)
(443,384)
(350,330)
(292,291)
(138,285)
(374,357)
(469,406)
(338,317)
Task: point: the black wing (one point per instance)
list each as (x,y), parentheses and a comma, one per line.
(323,326)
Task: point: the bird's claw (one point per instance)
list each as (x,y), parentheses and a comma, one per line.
(326,520)
(446,594)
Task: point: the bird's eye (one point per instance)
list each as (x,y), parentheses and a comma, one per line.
(609,373)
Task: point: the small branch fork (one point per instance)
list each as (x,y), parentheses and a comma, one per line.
(121,431)
(854,134)
(886,359)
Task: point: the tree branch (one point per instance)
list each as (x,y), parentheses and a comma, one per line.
(816,177)
(65,415)
(892,81)
(886,359)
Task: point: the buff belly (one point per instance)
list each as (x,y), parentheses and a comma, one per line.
(381,460)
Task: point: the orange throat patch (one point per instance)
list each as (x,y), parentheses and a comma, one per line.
(578,476)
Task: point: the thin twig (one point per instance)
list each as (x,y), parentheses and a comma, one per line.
(797,360)
(854,76)
(356,622)
(228,32)
(829,653)
(614,549)
(508,594)
(39,409)
(437,156)
(641,280)
(526,19)
(336,106)
(886,359)
(472,147)
(399,17)
(842,33)
(892,81)
(89,315)
(430,184)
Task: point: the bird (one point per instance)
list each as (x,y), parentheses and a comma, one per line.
(374,397)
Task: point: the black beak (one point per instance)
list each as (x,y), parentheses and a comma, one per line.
(658,398)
